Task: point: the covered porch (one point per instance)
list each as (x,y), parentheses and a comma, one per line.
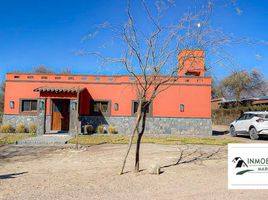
(58,110)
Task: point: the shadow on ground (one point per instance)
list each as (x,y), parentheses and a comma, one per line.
(13,175)
(216,132)
(24,152)
(261,138)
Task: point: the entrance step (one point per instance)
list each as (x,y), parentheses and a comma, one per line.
(45,140)
(57,132)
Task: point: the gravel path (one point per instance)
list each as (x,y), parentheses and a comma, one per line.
(92,173)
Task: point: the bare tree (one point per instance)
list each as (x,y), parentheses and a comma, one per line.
(216,90)
(2,93)
(241,83)
(66,71)
(149,53)
(149,57)
(41,69)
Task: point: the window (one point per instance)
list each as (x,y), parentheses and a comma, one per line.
(135,106)
(11,104)
(101,107)
(43,77)
(242,117)
(250,116)
(30,77)
(116,106)
(28,105)
(182,107)
(57,77)
(16,76)
(70,78)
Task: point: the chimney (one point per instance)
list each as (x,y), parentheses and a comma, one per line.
(191,62)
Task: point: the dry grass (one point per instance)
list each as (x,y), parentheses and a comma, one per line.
(120,139)
(11,138)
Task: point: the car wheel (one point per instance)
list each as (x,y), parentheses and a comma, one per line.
(232,131)
(253,134)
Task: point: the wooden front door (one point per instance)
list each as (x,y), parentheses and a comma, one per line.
(60,115)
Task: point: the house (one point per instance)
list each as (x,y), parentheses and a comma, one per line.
(55,102)
(216,103)
(261,101)
(253,101)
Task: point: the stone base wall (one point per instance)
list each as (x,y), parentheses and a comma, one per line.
(48,123)
(14,120)
(155,125)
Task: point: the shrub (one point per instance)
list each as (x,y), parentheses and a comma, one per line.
(89,129)
(100,129)
(20,128)
(33,129)
(6,128)
(112,130)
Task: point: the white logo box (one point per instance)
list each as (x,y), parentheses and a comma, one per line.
(247,166)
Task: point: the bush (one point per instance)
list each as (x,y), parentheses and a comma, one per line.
(33,129)
(100,129)
(6,128)
(89,129)
(112,130)
(224,116)
(20,128)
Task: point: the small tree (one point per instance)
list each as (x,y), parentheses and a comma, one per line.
(149,53)
(150,58)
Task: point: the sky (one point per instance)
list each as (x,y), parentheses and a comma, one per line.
(50,33)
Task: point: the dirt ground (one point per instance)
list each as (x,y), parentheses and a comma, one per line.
(92,173)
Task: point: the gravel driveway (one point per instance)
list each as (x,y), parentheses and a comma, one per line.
(92,173)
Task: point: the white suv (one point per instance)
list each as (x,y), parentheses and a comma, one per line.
(250,123)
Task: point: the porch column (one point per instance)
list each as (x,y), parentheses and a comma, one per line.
(41,116)
(73,116)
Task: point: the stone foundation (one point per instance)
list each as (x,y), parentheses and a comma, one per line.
(14,120)
(155,125)
(48,123)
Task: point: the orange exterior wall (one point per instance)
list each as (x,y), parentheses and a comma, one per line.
(193,92)
(191,61)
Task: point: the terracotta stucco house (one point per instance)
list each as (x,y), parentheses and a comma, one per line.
(50,101)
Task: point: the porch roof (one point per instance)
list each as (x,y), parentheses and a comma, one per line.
(59,89)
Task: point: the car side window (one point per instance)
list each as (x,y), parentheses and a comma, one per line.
(242,117)
(266,116)
(249,116)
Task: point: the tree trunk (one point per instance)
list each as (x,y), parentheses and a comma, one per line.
(76,121)
(138,119)
(140,134)
(137,158)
